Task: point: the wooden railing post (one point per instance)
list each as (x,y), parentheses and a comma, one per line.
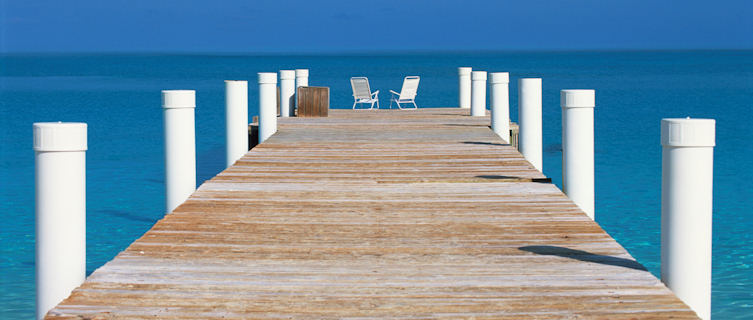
(478,93)
(236,120)
(180,146)
(464,90)
(686,210)
(578,147)
(529,119)
(60,183)
(500,104)
(287,92)
(267,112)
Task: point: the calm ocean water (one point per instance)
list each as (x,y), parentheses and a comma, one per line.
(119,97)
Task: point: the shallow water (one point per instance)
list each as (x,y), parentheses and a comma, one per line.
(119,97)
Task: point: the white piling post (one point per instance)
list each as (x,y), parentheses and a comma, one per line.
(301,80)
(478,93)
(60,181)
(287,92)
(530,141)
(686,211)
(267,105)
(578,147)
(180,146)
(236,120)
(500,104)
(464,90)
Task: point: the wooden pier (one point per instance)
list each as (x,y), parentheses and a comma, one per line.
(376,214)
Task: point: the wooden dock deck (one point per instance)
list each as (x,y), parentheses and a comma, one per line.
(376,214)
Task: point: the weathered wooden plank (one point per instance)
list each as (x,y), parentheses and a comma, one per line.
(376,214)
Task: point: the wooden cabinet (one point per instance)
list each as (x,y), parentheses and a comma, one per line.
(313,101)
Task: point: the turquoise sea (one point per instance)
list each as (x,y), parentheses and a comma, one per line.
(118,95)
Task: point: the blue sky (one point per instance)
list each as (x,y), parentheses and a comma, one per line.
(349,25)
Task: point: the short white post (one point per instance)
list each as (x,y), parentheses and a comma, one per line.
(287,92)
(60,181)
(578,147)
(478,93)
(267,105)
(301,80)
(530,141)
(236,120)
(464,90)
(500,104)
(686,211)
(180,146)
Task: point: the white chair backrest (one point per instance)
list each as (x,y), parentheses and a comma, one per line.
(361,89)
(410,88)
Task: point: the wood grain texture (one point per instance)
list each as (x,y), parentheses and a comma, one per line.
(376,214)
(313,101)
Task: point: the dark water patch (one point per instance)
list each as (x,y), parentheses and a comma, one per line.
(125,215)
(155,180)
(553,148)
(210,163)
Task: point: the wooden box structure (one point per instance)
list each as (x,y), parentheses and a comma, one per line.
(313,101)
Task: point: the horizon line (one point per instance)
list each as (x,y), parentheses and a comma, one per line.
(360,52)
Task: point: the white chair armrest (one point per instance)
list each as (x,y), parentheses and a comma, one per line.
(395,93)
(376,93)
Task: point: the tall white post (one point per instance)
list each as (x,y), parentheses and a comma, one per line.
(287,92)
(478,93)
(180,146)
(301,80)
(267,105)
(530,141)
(500,104)
(686,211)
(578,147)
(236,120)
(60,181)
(464,91)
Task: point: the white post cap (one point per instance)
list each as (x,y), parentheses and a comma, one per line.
(521,80)
(464,71)
(688,132)
(301,72)
(287,74)
(478,75)
(60,136)
(267,77)
(578,98)
(499,77)
(174,99)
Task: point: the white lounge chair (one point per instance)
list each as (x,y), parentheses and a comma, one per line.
(407,93)
(362,92)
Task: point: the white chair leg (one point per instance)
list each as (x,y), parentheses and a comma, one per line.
(377,104)
(414,104)
(354,105)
